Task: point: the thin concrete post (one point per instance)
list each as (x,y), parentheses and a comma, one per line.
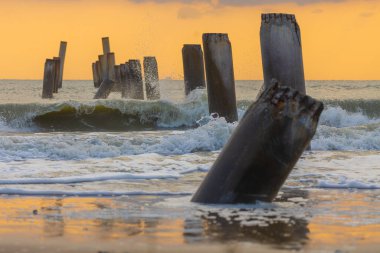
(125,80)
(95,75)
(62,56)
(152,84)
(193,67)
(103,66)
(220,75)
(57,68)
(48,83)
(111,66)
(106,45)
(281,51)
(99,72)
(136,81)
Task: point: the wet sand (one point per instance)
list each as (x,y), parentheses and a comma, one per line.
(123,224)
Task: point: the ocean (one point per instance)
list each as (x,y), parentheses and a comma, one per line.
(127,169)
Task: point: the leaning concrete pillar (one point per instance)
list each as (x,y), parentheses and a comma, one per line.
(62,56)
(95,75)
(281,50)
(136,81)
(48,82)
(109,80)
(152,84)
(193,67)
(220,75)
(263,148)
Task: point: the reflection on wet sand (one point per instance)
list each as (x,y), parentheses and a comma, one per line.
(119,221)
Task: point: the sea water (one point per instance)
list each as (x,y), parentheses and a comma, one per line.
(149,157)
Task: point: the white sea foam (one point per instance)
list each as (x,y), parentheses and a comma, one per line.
(347,184)
(87,179)
(11,191)
(348,138)
(337,117)
(66,146)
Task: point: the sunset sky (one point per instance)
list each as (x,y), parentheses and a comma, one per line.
(341,39)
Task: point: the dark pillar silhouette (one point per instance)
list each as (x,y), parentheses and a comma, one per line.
(220,75)
(193,67)
(281,50)
(136,81)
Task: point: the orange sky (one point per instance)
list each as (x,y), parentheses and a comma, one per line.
(341,39)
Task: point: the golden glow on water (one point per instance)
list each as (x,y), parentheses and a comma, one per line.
(339,39)
(80,220)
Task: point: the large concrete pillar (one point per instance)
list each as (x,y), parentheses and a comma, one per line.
(263,148)
(62,56)
(193,67)
(136,81)
(220,75)
(48,82)
(281,50)
(152,84)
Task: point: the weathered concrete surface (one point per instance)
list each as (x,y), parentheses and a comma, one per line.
(48,82)
(193,67)
(220,75)
(62,57)
(152,84)
(136,81)
(281,50)
(263,149)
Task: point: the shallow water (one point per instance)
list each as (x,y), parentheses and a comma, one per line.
(132,175)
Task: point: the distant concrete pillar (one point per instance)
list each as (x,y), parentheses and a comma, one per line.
(103,66)
(281,51)
(111,66)
(117,86)
(62,56)
(152,84)
(136,81)
(48,83)
(220,75)
(125,80)
(193,67)
(117,74)
(109,80)
(106,45)
(95,75)
(99,72)
(57,68)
